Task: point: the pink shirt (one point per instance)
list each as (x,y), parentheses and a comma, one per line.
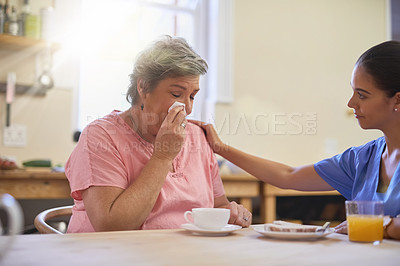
(110,153)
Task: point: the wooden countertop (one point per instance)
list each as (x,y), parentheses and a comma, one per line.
(40,183)
(32,173)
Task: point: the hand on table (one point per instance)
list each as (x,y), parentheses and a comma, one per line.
(341,228)
(239,214)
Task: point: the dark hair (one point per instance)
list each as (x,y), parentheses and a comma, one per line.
(382,62)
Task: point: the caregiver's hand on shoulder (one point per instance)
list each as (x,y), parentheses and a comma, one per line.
(212,137)
(239,214)
(171,136)
(341,228)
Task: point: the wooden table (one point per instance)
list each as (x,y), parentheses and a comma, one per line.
(244,186)
(179,247)
(44,184)
(270,193)
(34,184)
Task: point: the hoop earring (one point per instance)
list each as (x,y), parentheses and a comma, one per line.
(142,106)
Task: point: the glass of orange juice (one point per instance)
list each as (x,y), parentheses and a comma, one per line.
(365,221)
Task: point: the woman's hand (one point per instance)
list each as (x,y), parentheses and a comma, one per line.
(341,228)
(212,137)
(239,214)
(171,136)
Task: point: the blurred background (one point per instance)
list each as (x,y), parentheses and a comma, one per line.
(277,86)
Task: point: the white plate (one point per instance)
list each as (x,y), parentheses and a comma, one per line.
(200,231)
(291,235)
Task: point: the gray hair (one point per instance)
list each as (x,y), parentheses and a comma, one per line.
(166,58)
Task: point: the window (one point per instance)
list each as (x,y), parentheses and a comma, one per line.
(113,32)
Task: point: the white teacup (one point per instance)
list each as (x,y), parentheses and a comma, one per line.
(208,218)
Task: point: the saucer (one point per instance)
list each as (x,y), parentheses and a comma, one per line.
(210,232)
(291,235)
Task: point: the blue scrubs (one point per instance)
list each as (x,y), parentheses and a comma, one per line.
(355,174)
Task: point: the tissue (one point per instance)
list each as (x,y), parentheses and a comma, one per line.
(176,104)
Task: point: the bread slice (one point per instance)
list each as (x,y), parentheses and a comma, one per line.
(282,226)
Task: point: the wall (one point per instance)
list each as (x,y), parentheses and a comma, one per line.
(49,119)
(293,62)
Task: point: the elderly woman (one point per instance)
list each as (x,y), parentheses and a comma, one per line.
(144,167)
(368,172)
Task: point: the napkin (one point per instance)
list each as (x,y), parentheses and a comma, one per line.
(176,104)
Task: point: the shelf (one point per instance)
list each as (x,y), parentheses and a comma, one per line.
(12,48)
(23,89)
(16,43)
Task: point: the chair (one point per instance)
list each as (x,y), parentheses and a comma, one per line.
(42,219)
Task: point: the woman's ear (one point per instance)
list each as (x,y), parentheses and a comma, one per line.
(397,98)
(397,101)
(397,95)
(139,85)
(140,89)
